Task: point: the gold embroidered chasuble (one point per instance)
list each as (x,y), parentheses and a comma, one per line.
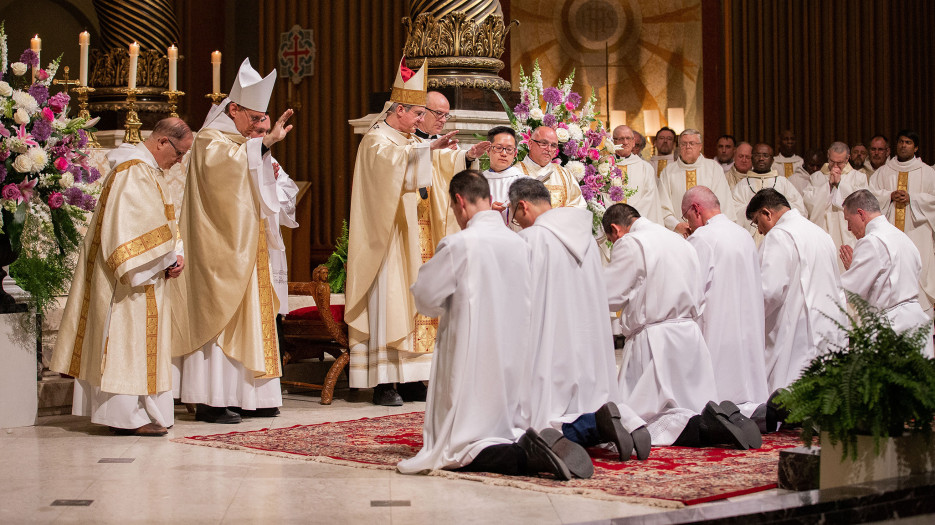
(115,332)
(225,291)
(562,186)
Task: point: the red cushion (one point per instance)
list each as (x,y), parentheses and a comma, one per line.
(310,313)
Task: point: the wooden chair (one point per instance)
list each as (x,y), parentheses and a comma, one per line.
(313,334)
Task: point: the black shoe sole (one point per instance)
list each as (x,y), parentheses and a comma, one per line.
(223,418)
(611,430)
(715,417)
(642,442)
(574,456)
(532,444)
(751,432)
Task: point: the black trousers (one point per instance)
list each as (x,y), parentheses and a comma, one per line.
(500,459)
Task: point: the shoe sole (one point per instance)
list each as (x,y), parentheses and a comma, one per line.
(559,469)
(611,429)
(751,432)
(717,416)
(574,456)
(642,443)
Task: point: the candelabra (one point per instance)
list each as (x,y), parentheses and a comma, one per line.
(173,97)
(216,98)
(132,124)
(82,92)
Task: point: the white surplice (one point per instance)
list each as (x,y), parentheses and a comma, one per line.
(748,186)
(732,318)
(885,272)
(478,283)
(640,177)
(672,187)
(660,162)
(801,290)
(920,213)
(500,182)
(573,368)
(286,192)
(824,204)
(654,280)
(792,168)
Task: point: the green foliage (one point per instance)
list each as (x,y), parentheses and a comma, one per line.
(880,384)
(44,279)
(337,263)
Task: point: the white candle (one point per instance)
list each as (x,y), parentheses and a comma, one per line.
(650,122)
(173,55)
(36,45)
(84,42)
(216,72)
(134,54)
(676,119)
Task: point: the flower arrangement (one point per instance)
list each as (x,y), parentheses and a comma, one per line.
(46,183)
(585,148)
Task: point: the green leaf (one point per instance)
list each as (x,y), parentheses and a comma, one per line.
(506,107)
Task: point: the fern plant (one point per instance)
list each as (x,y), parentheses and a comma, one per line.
(880,384)
(337,263)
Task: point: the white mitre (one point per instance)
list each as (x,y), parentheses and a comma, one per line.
(250,90)
(411,91)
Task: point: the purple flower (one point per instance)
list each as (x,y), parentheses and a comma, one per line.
(75,170)
(590,170)
(2,172)
(11,192)
(82,138)
(549,120)
(40,93)
(616,193)
(88,203)
(93,175)
(30,58)
(521,109)
(587,193)
(574,98)
(41,130)
(4,154)
(58,101)
(74,195)
(570,148)
(552,96)
(56,200)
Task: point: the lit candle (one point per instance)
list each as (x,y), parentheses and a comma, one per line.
(84,42)
(36,45)
(216,70)
(134,54)
(173,55)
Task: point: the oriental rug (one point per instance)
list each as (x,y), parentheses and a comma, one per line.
(671,477)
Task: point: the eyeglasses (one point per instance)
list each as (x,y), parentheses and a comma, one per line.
(512,214)
(545,145)
(178,153)
(505,149)
(439,115)
(623,139)
(689,144)
(753,220)
(838,164)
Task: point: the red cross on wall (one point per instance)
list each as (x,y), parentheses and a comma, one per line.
(296,53)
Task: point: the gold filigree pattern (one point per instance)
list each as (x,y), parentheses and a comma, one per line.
(152,338)
(691,179)
(455,34)
(139,246)
(902,184)
(559,195)
(788,168)
(267,314)
(408,96)
(425,327)
(111,68)
(661,165)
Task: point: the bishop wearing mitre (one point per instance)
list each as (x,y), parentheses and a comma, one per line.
(399,213)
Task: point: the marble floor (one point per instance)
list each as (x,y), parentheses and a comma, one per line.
(152,480)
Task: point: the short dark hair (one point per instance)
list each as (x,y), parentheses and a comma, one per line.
(471,185)
(863,200)
(670,130)
(731,137)
(620,214)
(501,130)
(909,134)
(173,128)
(530,190)
(766,198)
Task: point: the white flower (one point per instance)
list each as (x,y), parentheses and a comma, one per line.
(38,156)
(67,180)
(23,164)
(603,168)
(59,124)
(45,180)
(616,181)
(25,101)
(16,145)
(562,135)
(576,169)
(536,114)
(21,117)
(5,89)
(575,131)
(18,68)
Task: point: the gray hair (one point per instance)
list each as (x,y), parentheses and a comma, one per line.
(839,147)
(690,131)
(530,190)
(703,196)
(861,200)
(173,128)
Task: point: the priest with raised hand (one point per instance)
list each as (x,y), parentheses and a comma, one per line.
(654,281)
(502,172)
(399,213)
(789,164)
(690,170)
(883,268)
(732,318)
(226,334)
(118,307)
(572,383)
(826,192)
(479,285)
(763,176)
(639,174)
(905,187)
(664,150)
(543,147)
(802,293)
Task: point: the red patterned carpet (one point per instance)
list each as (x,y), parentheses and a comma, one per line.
(671,477)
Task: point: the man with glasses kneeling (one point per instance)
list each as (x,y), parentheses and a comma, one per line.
(543,147)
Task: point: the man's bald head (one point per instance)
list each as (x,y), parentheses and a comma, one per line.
(539,153)
(437,111)
(624,140)
(699,204)
(743,157)
(170,139)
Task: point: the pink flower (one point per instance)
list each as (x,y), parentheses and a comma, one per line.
(61,164)
(11,192)
(42,75)
(562,125)
(26,188)
(569,106)
(594,155)
(25,137)
(4,132)
(48,114)
(56,200)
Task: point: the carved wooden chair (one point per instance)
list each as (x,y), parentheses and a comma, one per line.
(314,331)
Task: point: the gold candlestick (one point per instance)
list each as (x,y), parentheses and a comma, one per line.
(216,98)
(83,112)
(173,101)
(132,124)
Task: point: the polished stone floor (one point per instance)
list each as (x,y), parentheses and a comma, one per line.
(152,480)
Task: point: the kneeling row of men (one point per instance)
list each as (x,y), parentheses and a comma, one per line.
(524,376)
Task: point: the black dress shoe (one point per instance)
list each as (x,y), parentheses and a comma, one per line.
(414,391)
(642,442)
(574,456)
(259,412)
(386,395)
(716,428)
(221,415)
(541,458)
(611,430)
(751,432)
(775,414)
(147,430)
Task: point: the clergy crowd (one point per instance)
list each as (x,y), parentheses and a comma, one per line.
(486,293)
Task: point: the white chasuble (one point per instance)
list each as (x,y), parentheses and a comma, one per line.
(654,281)
(640,177)
(793,169)
(286,192)
(802,297)
(916,219)
(733,176)
(573,366)
(393,231)
(748,186)
(562,185)
(661,162)
(732,319)
(885,273)
(679,177)
(478,284)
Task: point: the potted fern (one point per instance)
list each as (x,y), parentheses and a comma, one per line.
(873,402)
